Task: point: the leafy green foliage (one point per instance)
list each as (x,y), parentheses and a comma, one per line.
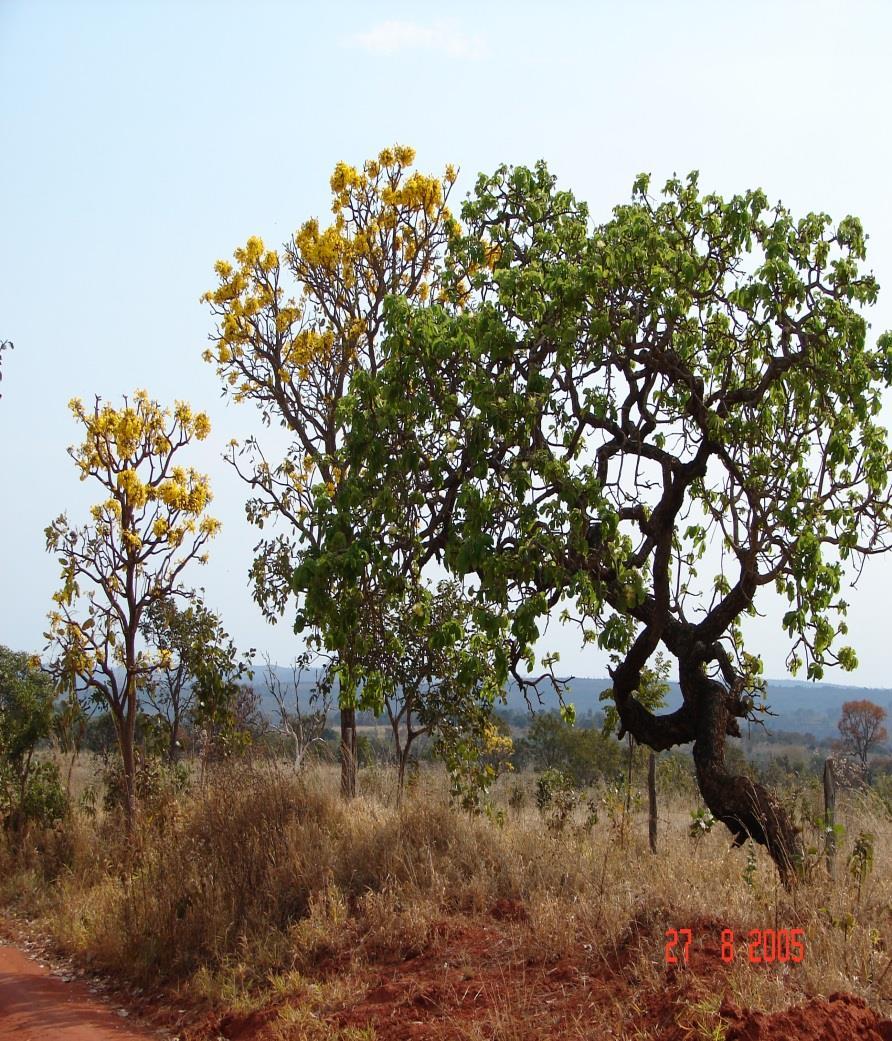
(29,789)
(557,798)
(583,756)
(197,681)
(702,822)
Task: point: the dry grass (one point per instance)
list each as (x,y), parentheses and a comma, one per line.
(241,889)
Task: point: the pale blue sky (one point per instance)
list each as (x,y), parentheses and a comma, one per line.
(141,141)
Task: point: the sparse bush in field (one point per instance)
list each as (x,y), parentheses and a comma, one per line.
(517,796)
(860,862)
(44,800)
(619,800)
(556,797)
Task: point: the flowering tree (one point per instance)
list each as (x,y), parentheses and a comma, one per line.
(149,526)
(293,327)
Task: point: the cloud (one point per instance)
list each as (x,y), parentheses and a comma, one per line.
(393,36)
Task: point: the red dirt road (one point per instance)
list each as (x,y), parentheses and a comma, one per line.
(37,1006)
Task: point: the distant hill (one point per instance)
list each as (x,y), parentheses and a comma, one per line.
(798,705)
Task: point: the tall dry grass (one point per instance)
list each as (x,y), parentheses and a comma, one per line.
(259,874)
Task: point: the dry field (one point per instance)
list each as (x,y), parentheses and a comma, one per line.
(258,905)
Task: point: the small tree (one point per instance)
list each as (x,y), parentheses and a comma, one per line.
(151,524)
(303,726)
(862,729)
(192,644)
(26,719)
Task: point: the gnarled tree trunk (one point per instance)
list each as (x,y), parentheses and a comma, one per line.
(746,808)
(708,716)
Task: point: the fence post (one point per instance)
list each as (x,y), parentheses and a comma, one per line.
(652,801)
(830,817)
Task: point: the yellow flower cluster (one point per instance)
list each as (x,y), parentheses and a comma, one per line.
(201,425)
(416,193)
(399,155)
(135,492)
(327,249)
(388,223)
(345,177)
(189,493)
(131,540)
(115,436)
(495,743)
(125,449)
(307,346)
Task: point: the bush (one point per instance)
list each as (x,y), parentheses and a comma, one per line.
(156,781)
(39,799)
(583,756)
(29,789)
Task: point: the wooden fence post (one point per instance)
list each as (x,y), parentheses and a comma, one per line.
(652,801)
(830,817)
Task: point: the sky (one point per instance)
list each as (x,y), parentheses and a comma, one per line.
(143,141)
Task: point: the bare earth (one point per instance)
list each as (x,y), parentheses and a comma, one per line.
(37,1006)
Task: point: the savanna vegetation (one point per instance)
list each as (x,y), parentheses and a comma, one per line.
(494,418)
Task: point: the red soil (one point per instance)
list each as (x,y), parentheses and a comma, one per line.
(471,983)
(475,978)
(37,1006)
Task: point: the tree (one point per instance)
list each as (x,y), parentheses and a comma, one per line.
(649,421)
(303,727)
(193,646)
(861,726)
(149,527)
(581,755)
(26,719)
(294,356)
(436,677)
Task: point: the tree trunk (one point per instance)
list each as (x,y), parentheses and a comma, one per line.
(172,749)
(348,753)
(652,801)
(404,754)
(747,809)
(125,727)
(707,717)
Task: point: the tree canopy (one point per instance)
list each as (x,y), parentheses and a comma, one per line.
(645,422)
